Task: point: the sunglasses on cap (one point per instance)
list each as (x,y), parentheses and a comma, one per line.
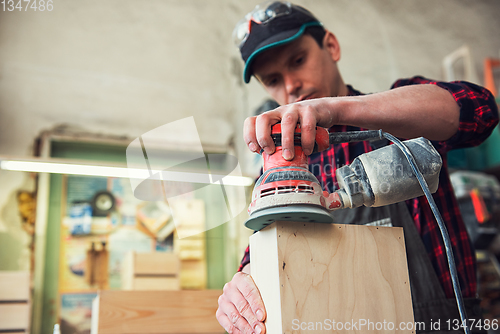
(261,14)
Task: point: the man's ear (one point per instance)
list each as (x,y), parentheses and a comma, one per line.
(331,44)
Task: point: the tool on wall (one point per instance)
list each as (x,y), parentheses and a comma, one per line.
(96,271)
(288,191)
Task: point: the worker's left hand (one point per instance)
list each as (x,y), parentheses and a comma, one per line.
(241,309)
(310,113)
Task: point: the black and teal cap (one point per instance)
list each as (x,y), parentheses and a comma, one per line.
(279,31)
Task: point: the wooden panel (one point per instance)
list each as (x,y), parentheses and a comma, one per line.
(15,285)
(156,283)
(14,316)
(191,249)
(151,271)
(156,263)
(264,269)
(155,312)
(193,274)
(189,242)
(127,271)
(348,273)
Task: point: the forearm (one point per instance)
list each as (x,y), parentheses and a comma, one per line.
(421,110)
(410,111)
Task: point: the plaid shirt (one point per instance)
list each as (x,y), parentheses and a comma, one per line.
(478,117)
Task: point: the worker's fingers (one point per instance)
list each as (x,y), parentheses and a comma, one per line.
(226,323)
(242,305)
(232,320)
(288,124)
(241,316)
(310,113)
(249,134)
(263,125)
(308,129)
(251,293)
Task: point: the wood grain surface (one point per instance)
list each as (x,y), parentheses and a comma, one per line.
(158,312)
(331,272)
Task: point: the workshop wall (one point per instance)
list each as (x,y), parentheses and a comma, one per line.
(125,67)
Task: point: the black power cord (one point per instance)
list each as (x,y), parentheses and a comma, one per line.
(442,227)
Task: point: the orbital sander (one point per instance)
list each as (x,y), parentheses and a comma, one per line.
(288,191)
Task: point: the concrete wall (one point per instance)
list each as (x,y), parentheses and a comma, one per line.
(125,67)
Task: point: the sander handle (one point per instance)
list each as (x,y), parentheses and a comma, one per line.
(324,139)
(355,136)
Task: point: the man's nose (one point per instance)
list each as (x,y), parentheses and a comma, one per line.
(292,86)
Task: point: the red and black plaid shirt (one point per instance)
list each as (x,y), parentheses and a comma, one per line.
(478,117)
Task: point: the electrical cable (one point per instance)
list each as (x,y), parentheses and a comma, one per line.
(442,228)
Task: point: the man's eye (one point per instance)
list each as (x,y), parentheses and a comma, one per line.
(299,60)
(272,82)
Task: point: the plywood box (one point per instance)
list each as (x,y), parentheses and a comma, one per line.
(313,274)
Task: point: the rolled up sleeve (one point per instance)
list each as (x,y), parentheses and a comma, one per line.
(478,111)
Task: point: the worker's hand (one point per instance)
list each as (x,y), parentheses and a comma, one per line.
(241,309)
(310,113)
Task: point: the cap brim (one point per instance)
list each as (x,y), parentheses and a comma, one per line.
(274,41)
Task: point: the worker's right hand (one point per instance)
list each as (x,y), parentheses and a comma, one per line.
(322,112)
(241,309)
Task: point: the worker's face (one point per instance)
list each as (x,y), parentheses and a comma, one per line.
(300,70)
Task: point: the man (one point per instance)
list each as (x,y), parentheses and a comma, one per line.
(295,59)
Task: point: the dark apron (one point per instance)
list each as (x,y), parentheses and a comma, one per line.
(429,300)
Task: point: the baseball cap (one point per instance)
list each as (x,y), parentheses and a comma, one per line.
(270,24)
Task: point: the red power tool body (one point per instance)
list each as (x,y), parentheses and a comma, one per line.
(287,183)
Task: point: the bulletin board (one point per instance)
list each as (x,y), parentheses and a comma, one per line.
(119,231)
